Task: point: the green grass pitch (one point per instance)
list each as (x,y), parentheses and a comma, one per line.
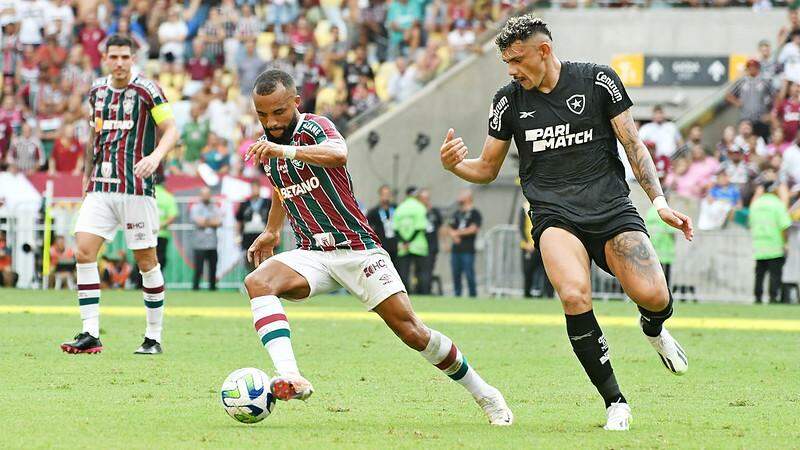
(742,389)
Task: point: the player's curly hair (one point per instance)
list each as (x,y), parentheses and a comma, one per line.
(519,29)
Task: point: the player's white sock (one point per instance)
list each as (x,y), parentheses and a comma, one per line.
(443,353)
(89,297)
(273,329)
(153,288)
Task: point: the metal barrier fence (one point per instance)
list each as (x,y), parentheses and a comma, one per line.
(715,266)
(24,230)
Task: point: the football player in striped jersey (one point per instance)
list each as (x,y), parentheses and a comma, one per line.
(305,158)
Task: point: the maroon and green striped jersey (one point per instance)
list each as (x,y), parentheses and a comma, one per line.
(319,201)
(124,121)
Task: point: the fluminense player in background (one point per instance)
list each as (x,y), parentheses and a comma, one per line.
(305,160)
(565,118)
(126,110)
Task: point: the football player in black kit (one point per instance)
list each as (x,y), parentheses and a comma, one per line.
(565,118)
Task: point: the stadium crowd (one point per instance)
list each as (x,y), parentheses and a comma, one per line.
(347,55)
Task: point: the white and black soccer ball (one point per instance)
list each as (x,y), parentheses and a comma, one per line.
(246,396)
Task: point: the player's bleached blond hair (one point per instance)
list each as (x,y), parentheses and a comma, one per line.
(519,29)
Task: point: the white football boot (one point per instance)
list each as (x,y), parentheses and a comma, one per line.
(291,387)
(618,417)
(671,353)
(496,409)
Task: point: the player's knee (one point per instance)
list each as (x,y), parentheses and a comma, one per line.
(258,283)
(576,297)
(413,333)
(652,299)
(84,256)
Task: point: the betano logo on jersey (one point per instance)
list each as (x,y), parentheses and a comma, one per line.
(557,136)
(301,188)
(101,124)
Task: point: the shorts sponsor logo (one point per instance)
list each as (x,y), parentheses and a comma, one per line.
(134,226)
(303,187)
(608,84)
(374,267)
(139,236)
(386,279)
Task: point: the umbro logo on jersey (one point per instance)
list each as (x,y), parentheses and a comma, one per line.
(526,114)
(576,103)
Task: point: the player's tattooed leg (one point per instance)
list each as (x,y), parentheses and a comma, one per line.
(631,257)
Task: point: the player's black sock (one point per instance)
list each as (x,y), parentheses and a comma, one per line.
(591,349)
(653,321)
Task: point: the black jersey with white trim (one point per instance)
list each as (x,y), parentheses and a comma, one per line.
(569,164)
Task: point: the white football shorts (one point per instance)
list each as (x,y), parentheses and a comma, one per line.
(102,212)
(367,274)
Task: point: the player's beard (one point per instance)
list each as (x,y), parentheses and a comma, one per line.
(286,137)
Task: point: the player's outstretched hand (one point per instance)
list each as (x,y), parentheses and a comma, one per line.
(146,166)
(453,150)
(262,150)
(262,248)
(678,220)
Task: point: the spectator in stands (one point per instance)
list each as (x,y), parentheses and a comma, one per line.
(67,156)
(172,35)
(90,37)
(789,58)
(212,33)
(402,20)
(738,169)
(769,222)
(461,39)
(251,217)
(26,154)
(723,190)
(695,137)
(464,227)
(777,144)
(790,168)
(194,137)
(663,163)
(62,258)
(8,278)
(381,219)
(663,132)
(751,143)
(358,69)
(249,65)
(59,20)
(216,155)
(206,217)
(410,223)
(435,222)
(6,132)
(167,215)
(693,176)
(769,64)
(117,271)
(786,114)
(726,142)
(794,24)
(199,68)
(404,83)
(753,94)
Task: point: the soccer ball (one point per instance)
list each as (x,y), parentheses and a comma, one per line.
(246,396)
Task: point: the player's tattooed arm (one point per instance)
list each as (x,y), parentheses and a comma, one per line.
(481,170)
(638,156)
